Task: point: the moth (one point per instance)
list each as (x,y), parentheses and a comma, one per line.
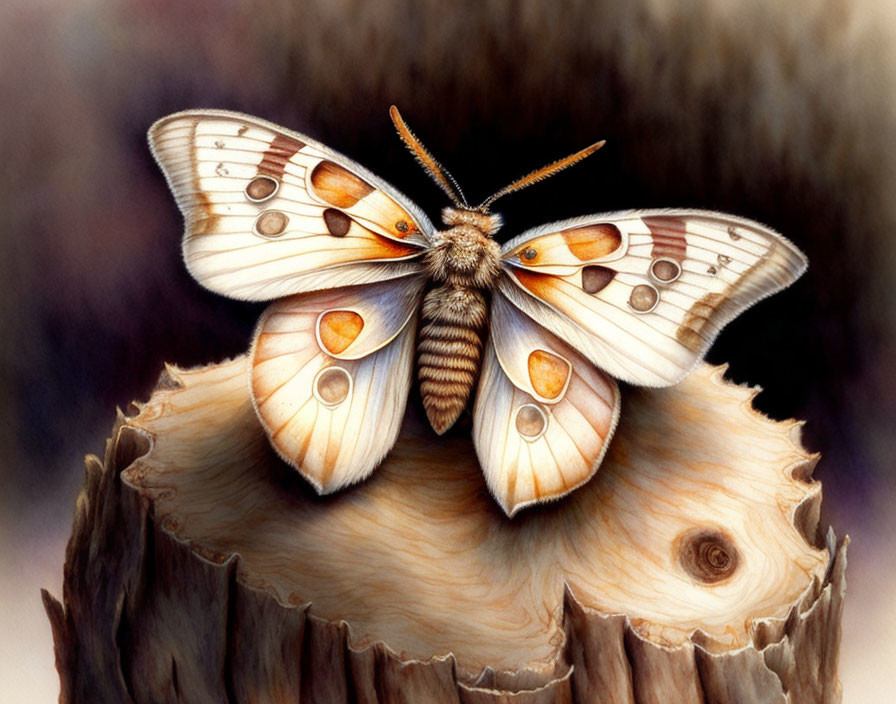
(365,288)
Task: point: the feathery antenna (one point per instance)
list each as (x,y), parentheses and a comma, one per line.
(441,176)
(438,172)
(540,174)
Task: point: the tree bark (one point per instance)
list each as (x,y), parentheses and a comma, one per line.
(202,569)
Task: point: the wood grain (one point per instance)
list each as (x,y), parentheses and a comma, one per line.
(201,568)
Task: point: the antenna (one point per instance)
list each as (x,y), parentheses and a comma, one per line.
(438,172)
(540,174)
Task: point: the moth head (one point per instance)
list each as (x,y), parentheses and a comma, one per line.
(488,223)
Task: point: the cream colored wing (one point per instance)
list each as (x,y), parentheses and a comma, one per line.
(643,294)
(330,376)
(270,212)
(544,415)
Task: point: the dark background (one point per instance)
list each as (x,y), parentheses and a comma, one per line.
(782,112)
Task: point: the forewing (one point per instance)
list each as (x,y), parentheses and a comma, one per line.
(331,372)
(643,294)
(270,212)
(544,415)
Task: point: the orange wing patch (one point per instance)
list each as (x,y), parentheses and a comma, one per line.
(337,329)
(549,374)
(571,247)
(339,187)
(593,241)
(537,284)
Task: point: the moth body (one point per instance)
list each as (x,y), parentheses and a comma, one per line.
(463,266)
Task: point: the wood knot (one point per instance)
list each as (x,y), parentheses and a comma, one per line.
(707,555)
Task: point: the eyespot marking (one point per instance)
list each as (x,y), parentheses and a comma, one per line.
(402,226)
(596,278)
(665,270)
(531,422)
(338,186)
(271,223)
(332,386)
(644,298)
(549,374)
(261,188)
(337,329)
(222,170)
(732,233)
(528,254)
(337,222)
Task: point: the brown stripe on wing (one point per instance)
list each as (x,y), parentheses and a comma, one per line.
(771,272)
(668,235)
(690,331)
(203,219)
(277,156)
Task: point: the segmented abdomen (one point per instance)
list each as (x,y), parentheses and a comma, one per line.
(449,350)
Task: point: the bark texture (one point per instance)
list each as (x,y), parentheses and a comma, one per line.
(202,569)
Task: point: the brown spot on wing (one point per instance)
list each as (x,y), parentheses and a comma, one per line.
(271,223)
(337,222)
(333,385)
(261,188)
(668,233)
(665,270)
(282,149)
(338,186)
(643,298)
(530,421)
(548,373)
(689,333)
(596,278)
(592,241)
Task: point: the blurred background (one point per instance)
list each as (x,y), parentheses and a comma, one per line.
(782,112)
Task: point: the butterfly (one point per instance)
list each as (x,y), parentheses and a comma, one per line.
(365,288)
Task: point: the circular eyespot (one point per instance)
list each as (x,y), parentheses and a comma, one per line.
(261,188)
(332,386)
(528,254)
(531,422)
(664,270)
(402,226)
(644,298)
(271,223)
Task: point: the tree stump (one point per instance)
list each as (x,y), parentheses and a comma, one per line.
(203,569)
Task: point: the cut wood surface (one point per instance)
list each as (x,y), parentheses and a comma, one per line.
(202,568)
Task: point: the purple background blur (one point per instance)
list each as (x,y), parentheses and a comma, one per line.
(783,112)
